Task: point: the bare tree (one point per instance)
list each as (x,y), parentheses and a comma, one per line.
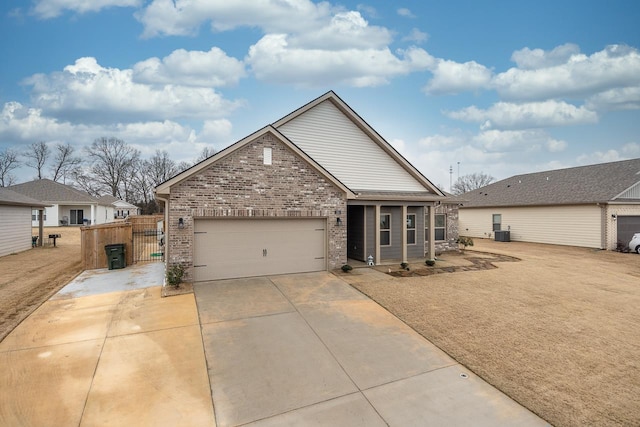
(112,163)
(205,154)
(8,162)
(160,168)
(37,155)
(83,179)
(64,161)
(471,182)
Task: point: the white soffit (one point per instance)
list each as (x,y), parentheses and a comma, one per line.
(342,148)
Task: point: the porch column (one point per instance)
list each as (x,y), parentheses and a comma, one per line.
(93,215)
(432,232)
(377,237)
(404,233)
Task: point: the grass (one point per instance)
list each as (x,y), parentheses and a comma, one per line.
(558,331)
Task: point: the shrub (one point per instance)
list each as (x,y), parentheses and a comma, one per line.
(430,262)
(346,268)
(465,241)
(404,265)
(174,274)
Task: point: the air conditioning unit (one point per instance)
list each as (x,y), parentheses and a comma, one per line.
(503,236)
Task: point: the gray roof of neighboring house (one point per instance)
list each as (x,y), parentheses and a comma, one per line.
(53,192)
(108,199)
(599,183)
(11,198)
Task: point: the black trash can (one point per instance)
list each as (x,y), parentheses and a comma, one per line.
(115,256)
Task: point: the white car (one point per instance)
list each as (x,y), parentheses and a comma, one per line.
(634,244)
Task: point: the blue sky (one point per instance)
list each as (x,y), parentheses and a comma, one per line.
(501,87)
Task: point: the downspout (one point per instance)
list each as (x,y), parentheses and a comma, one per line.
(166,228)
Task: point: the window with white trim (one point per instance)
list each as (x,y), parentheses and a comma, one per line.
(385,229)
(497,222)
(411,229)
(440,227)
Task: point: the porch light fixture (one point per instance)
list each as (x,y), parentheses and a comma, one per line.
(180,223)
(338,221)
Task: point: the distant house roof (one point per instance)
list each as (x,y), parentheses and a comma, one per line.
(108,199)
(50,191)
(601,183)
(11,198)
(114,201)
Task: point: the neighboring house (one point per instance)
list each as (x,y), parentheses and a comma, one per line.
(119,209)
(306,193)
(595,206)
(69,206)
(15,221)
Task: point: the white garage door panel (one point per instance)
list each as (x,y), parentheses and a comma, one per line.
(226,249)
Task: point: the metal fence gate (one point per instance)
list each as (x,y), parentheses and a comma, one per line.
(148,238)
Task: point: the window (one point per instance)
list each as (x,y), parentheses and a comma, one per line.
(440,227)
(497,222)
(385,229)
(411,229)
(35,216)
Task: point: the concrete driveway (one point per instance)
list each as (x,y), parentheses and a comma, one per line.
(308,349)
(302,349)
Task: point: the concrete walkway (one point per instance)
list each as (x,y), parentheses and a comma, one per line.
(289,350)
(308,349)
(107,350)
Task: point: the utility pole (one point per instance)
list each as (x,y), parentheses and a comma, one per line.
(450,177)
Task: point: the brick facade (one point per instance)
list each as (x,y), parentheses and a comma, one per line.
(241,185)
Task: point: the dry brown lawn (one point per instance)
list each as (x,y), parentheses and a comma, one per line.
(558,331)
(29,278)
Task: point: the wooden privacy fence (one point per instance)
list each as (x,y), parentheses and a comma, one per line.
(140,234)
(95,237)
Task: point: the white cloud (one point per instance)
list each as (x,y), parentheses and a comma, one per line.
(599,157)
(184,17)
(344,30)
(531,59)
(273,60)
(190,68)
(442,142)
(451,77)
(617,66)
(501,141)
(22,125)
(627,98)
(46,9)
(403,11)
(87,91)
(416,36)
(505,115)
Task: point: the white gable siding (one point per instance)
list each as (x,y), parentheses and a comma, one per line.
(15,229)
(631,193)
(580,225)
(343,149)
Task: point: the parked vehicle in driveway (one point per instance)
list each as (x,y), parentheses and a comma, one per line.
(634,244)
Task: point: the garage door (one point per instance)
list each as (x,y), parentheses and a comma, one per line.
(627,226)
(229,248)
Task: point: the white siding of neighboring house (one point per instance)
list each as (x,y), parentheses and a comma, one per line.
(579,225)
(51,214)
(343,149)
(15,229)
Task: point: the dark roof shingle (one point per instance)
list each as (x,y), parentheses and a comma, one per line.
(599,183)
(53,192)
